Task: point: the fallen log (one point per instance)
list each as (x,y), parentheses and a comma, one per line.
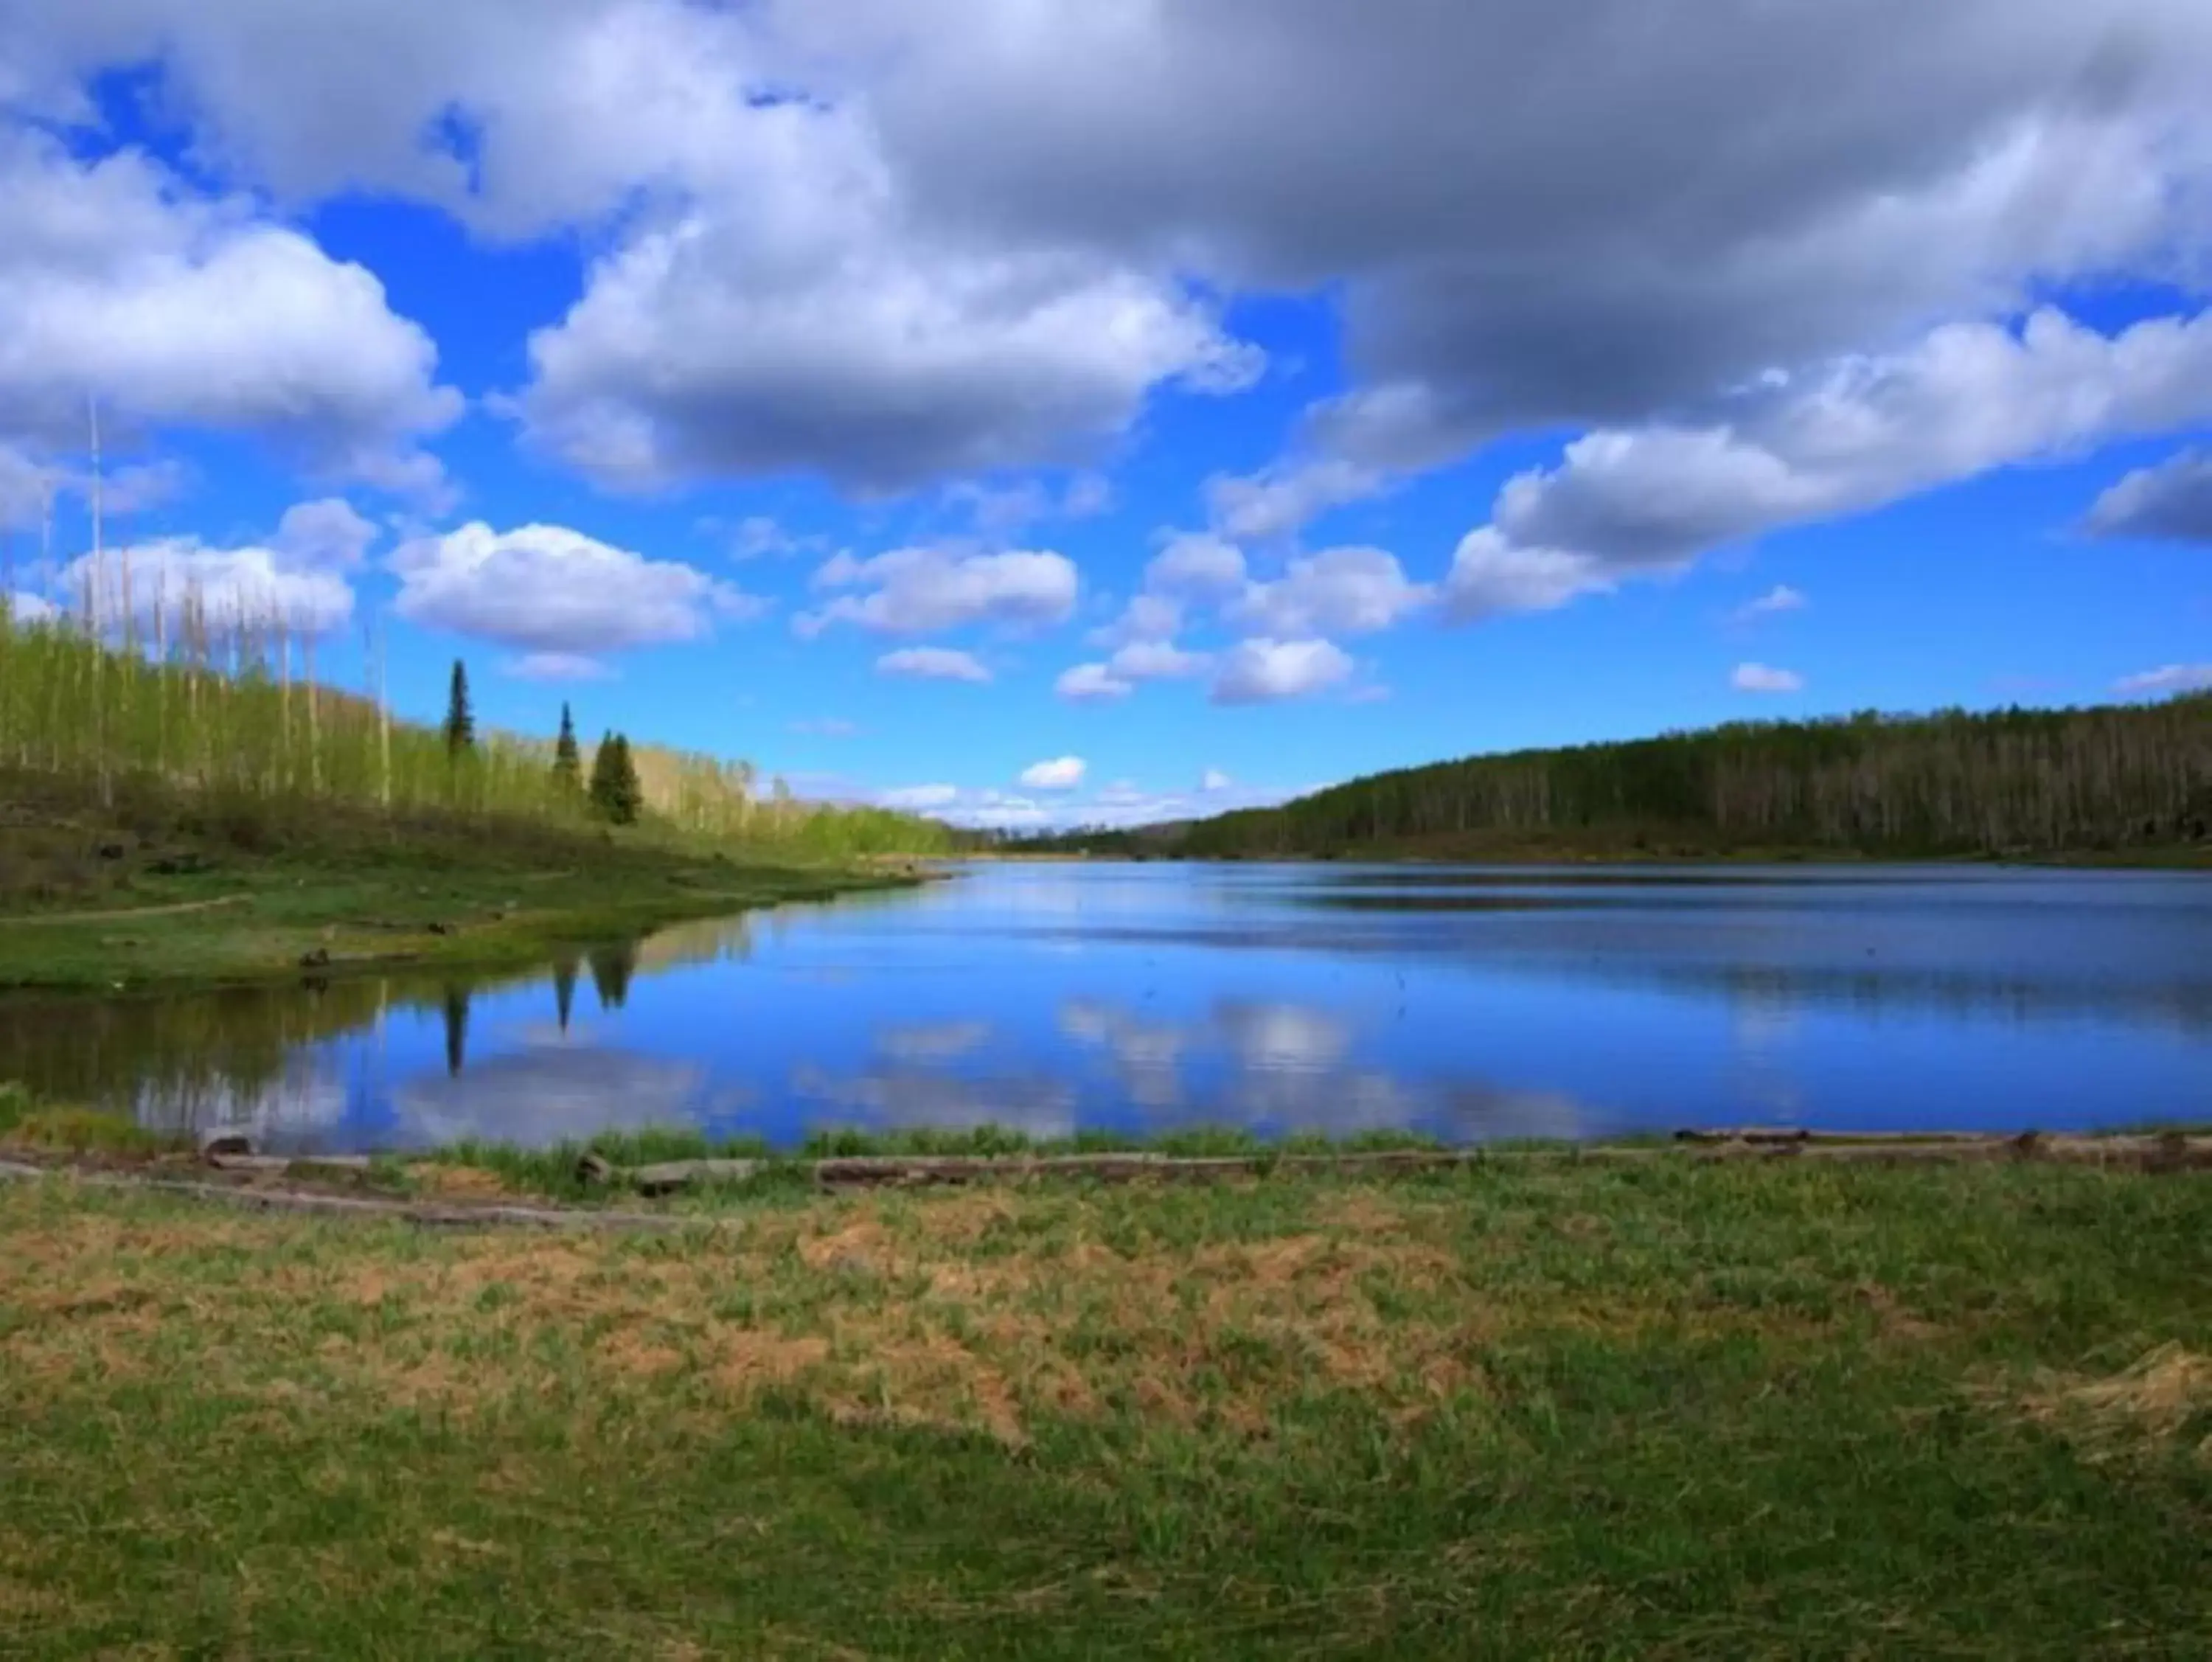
(296,1165)
(672,1176)
(2168,1152)
(361,1207)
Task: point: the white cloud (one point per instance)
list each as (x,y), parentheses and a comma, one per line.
(556,666)
(2171,678)
(1061,773)
(1861,434)
(1196,563)
(1761,678)
(2170,502)
(1145,617)
(923,591)
(931,664)
(547,589)
(759,536)
(1157,661)
(24,608)
(1347,591)
(1092,684)
(174,308)
(1142,659)
(220,590)
(329,534)
(827,726)
(1264,671)
(921,799)
(1777,600)
(796,321)
(1214,780)
(956,240)
(1279,502)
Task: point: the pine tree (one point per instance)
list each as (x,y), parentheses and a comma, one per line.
(568,761)
(615,791)
(460,720)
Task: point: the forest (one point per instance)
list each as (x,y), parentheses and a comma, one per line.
(2103,779)
(228,708)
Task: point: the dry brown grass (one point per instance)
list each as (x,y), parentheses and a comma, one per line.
(893,1308)
(459,1182)
(2148,1403)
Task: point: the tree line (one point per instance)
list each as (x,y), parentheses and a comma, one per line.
(2002,782)
(219,702)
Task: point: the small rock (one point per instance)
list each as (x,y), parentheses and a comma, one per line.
(593,1170)
(317,959)
(445,928)
(225,1140)
(112,851)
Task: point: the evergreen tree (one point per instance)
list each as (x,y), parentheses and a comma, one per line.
(617,793)
(568,760)
(460,728)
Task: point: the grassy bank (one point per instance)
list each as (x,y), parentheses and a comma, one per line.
(154,888)
(1674,1411)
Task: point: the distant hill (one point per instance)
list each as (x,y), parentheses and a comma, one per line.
(2113,780)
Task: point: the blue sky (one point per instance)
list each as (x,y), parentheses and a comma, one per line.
(910,408)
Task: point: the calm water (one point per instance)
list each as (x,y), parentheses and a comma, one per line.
(1469,1004)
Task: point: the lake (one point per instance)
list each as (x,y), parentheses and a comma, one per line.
(1469,1004)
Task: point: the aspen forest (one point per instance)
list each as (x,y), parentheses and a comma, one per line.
(2014,781)
(227,704)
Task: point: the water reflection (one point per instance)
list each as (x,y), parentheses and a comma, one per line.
(1148,997)
(547,1094)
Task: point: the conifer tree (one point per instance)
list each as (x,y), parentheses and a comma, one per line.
(616,792)
(568,760)
(460,728)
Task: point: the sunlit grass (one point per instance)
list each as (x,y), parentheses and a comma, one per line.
(1672,1410)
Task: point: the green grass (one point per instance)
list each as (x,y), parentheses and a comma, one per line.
(1674,1411)
(162,889)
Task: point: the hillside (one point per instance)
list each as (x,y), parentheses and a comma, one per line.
(2124,782)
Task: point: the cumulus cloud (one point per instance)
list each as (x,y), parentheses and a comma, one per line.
(546,589)
(1263,670)
(924,590)
(1859,435)
(2170,502)
(1279,501)
(1348,591)
(1092,684)
(1061,773)
(1777,600)
(931,664)
(1214,780)
(220,590)
(859,354)
(760,536)
(171,308)
(1762,677)
(1143,659)
(1500,190)
(1157,661)
(885,242)
(1196,563)
(2171,678)
(329,534)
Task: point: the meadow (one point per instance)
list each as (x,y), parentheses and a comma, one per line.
(182,800)
(1659,1410)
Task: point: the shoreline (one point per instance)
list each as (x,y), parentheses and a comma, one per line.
(327,924)
(578,1186)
